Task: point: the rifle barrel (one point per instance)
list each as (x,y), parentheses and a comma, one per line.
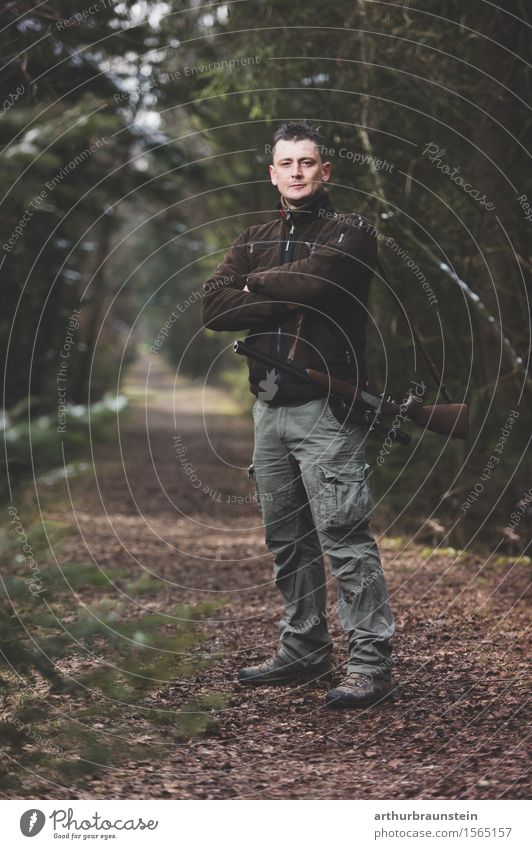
(271,360)
(445,419)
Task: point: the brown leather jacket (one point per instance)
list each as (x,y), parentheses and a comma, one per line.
(316,258)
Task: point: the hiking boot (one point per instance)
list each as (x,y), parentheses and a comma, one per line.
(358,690)
(277,670)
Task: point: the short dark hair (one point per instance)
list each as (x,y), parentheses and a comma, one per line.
(297,130)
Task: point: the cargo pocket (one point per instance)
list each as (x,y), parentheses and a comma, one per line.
(344,498)
(252,476)
(345,425)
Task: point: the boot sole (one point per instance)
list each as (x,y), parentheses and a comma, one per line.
(257,680)
(338,703)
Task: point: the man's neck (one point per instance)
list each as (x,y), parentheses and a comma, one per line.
(289,205)
(304,201)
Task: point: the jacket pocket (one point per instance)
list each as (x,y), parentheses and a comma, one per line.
(262,255)
(344,499)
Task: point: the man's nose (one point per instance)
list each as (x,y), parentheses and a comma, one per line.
(296,170)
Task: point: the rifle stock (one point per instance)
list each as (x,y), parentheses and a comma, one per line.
(445,419)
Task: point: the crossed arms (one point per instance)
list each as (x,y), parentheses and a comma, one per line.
(238,298)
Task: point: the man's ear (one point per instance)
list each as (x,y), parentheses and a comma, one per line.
(326,171)
(273,176)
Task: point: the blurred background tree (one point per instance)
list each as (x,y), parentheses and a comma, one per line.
(178,103)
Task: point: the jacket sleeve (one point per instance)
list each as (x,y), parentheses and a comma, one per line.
(346,257)
(225,306)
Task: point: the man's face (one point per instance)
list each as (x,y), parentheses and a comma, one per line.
(298,171)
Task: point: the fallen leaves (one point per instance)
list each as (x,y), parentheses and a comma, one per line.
(457,726)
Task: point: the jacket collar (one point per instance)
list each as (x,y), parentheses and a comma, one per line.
(307,211)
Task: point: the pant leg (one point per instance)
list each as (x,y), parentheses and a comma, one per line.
(332,459)
(291,537)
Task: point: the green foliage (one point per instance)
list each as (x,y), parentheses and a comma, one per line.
(34,444)
(101,659)
(76,170)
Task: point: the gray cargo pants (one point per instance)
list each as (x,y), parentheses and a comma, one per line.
(311,485)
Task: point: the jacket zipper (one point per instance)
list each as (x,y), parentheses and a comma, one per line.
(342,234)
(288,241)
(286,258)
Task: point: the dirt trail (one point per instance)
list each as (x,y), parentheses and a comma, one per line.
(457,726)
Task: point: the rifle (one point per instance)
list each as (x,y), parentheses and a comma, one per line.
(445,419)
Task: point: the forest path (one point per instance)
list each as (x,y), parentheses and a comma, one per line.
(455,729)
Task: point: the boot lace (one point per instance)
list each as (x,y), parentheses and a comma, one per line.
(355,679)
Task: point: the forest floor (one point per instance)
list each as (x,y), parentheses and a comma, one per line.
(457,726)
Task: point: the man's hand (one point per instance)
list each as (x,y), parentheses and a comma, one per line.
(291,307)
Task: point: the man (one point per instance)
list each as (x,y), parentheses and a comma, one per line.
(300,285)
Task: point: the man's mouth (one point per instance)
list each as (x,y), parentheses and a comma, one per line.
(297,185)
